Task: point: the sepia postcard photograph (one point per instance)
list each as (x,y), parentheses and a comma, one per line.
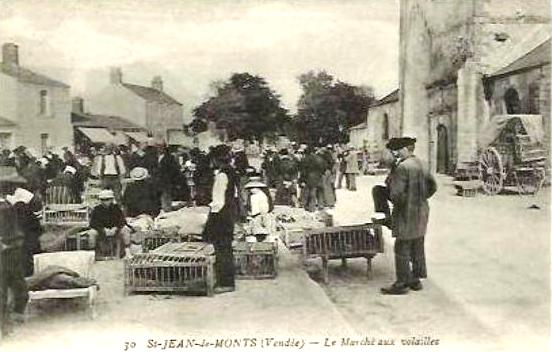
(275,175)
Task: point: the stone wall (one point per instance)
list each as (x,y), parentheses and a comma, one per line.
(443,115)
(358,137)
(433,45)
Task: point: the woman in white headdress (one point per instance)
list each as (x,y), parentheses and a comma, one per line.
(260,206)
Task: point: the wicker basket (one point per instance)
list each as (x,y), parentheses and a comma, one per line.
(357,241)
(173,267)
(256,260)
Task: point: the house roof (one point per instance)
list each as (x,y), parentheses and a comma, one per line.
(359,126)
(537,57)
(109,122)
(389,98)
(151,94)
(4,122)
(25,75)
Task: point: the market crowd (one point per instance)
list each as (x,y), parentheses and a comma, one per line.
(150,180)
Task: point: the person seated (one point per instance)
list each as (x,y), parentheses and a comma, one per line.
(260,205)
(140,196)
(107,220)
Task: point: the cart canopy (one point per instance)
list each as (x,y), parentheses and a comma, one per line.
(532,125)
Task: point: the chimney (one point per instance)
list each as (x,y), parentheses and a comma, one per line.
(116,75)
(10,54)
(78,105)
(157,83)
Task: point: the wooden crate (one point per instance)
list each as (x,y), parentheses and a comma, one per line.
(173,267)
(77,241)
(155,239)
(356,241)
(65,214)
(256,260)
(292,233)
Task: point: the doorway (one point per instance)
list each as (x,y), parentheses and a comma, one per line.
(442,150)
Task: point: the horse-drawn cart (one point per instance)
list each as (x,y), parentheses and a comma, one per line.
(512,154)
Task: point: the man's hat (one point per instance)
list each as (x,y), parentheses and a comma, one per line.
(399,143)
(70,169)
(20,195)
(138,174)
(9,174)
(255,182)
(106,194)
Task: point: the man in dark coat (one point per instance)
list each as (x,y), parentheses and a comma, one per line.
(140,196)
(219,229)
(286,184)
(312,169)
(410,186)
(12,275)
(166,177)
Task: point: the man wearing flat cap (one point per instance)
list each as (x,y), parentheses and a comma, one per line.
(409,186)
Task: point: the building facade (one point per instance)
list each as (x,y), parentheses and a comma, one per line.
(95,130)
(383,121)
(448,50)
(149,107)
(35,110)
(358,135)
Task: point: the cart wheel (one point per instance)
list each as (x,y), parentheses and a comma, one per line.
(491,171)
(529,182)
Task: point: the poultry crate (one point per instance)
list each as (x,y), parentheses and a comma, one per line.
(173,267)
(353,241)
(155,239)
(256,260)
(65,214)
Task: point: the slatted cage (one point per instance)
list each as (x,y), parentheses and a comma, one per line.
(356,241)
(65,214)
(155,239)
(77,241)
(178,267)
(256,260)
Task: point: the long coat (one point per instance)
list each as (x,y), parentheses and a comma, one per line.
(351,161)
(312,169)
(410,185)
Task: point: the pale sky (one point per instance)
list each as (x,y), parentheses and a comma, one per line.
(191,43)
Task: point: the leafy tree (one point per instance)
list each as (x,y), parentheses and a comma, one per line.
(245,106)
(328,108)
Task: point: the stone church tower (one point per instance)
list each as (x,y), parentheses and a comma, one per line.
(447,48)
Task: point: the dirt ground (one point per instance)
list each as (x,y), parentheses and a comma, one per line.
(488,285)
(488,289)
